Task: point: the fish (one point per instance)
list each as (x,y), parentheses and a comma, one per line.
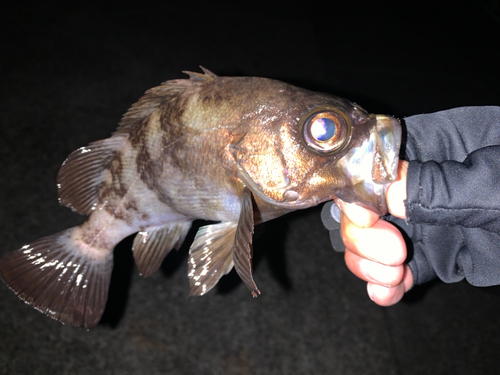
(235,151)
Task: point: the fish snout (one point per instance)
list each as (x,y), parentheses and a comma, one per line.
(372,164)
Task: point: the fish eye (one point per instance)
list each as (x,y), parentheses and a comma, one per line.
(325,129)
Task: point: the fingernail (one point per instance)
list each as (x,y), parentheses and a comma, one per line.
(369,290)
(335,212)
(340,203)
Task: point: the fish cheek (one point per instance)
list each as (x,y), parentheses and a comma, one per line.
(326,181)
(260,158)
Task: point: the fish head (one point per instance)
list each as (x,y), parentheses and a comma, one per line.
(305,148)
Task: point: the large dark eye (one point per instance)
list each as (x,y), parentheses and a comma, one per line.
(325,129)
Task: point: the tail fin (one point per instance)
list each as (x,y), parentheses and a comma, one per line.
(62,278)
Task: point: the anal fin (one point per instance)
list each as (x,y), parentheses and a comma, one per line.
(59,279)
(210,256)
(152,245)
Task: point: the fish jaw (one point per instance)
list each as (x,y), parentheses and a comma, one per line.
(372,165)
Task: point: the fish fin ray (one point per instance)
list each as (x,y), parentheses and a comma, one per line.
(158,97)
(59,280)
(208,72)
(206,76)
(80,177)
(152,245)
(242,248)
(210,256)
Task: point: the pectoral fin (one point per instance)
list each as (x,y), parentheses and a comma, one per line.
(242,249)
(210,256)
(217,247)
(152,245)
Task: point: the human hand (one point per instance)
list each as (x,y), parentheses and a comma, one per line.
(374,249)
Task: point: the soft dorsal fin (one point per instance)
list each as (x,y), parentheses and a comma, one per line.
(80,176)
(152,245)
(82,173)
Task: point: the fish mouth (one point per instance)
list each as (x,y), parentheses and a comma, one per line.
(373,165)
(388,135)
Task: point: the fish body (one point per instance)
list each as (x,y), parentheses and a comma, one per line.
(237,150)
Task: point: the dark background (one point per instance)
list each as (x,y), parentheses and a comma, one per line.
(68,73)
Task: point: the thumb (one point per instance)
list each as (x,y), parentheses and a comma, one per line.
(396,192)
(359,216)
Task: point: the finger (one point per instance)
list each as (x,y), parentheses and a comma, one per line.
(374,272)
(407,278)
(360,216)
(396,192)
(387,296)
(382,242)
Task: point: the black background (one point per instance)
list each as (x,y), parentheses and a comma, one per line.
(68,73)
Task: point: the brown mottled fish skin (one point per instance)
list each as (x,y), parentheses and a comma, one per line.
(228,149)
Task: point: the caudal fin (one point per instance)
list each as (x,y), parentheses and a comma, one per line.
(64,279)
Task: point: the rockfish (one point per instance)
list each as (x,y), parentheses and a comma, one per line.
(234,150)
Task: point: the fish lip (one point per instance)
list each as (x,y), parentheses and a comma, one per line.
(388,136)
(373,165)
(388,133)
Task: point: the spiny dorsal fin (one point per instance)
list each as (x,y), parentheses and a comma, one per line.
(210,256)
(208,76)
(80,177)
(152,245)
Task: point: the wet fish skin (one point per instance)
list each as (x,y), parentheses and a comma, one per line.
(239,150)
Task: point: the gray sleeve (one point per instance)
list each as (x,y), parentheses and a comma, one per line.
(453,195)
(452,253)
